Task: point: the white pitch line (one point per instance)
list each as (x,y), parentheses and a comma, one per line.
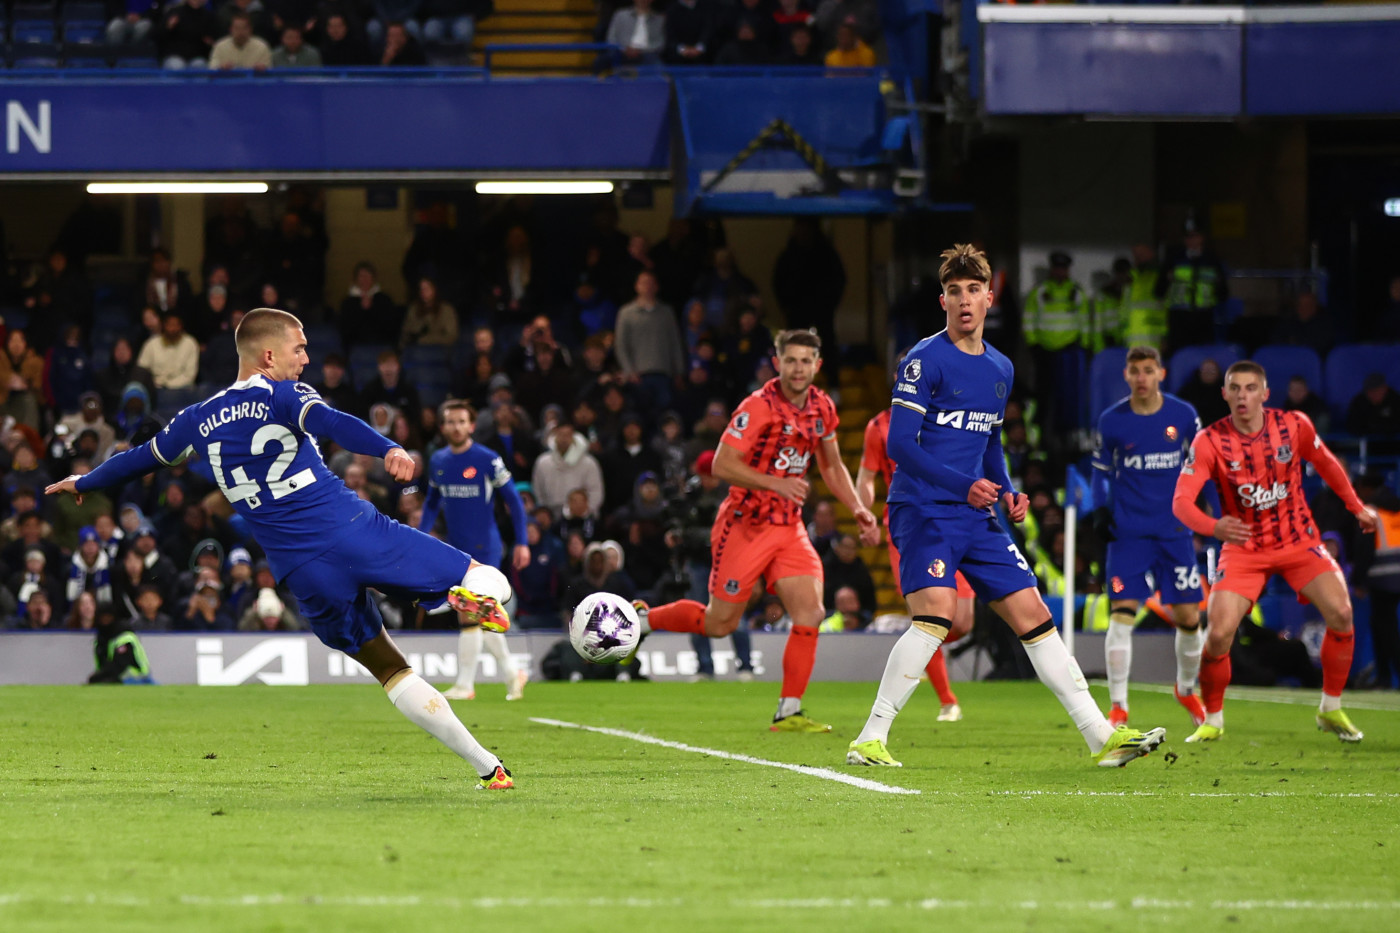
(927,904)
(823,773)
(1256,695)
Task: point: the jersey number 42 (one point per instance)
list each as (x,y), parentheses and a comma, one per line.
(247,490)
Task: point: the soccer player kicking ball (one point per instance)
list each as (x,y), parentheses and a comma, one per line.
(463,480)
(945,436)
(325,543)
(1142,441)
(1256,458)
(763,455)
(875,460)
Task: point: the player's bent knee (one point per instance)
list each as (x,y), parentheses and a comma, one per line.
(485,580)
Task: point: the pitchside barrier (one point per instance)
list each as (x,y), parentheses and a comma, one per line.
(230,659)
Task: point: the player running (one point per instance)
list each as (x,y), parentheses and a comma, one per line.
(875,460)
(1141,443)
(1256,458)
(325,543)
(463,479)
(763,455)
(945,437)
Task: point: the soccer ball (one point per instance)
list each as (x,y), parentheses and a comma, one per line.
(605,628)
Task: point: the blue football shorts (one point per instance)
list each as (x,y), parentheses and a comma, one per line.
(332,588)
(1138,567)
(936,540)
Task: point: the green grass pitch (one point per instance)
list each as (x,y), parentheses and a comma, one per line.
(321,808)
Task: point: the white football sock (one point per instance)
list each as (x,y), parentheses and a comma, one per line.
(468,653)
(1118,655)
(1329,704)
(495,642)
(905,667)
(1188,657)
(1216,719)
(425,707)
(1060,672)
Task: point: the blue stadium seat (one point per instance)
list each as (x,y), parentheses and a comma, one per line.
(84,33)
(1187,360)
(170,401)
(1348,366)
(112,317)
(16,319)
(75,57)
(364,365)
(31,32)
(416,356)
(432,392)
(1282,363)
(1106,385)
(320,340)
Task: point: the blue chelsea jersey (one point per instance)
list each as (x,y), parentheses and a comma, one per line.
(962,398)
(464,486)
(1141,456)
(267,466)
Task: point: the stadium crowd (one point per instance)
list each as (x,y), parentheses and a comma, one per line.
(258,35)
(603,371)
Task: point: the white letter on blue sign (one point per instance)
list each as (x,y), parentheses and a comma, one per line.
(17,119)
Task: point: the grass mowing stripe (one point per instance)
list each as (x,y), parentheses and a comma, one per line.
(1289,696)
(813,903)
(824,773)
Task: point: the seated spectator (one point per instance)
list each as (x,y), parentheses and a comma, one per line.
(133,22)
(850,51)
(723,289)
(240,49)
(69,520)
(513,285)
(757,14)
(36,613)
(89,417)
(1375,409)
(390,387)
(240,579)
(1202,391)
(640,32)
(149,617)
(844,567)
(186,39)
(123,370)
(219,361)
(832,13)
(564,466)
(268,613)
(82,614)
(548,382)
(25,471)
(134,412)
(452,20)
(209,314)
(294,52)
(597,311)
(335,386)
(540,584)
(31,534)
(770,616)
(341,48)
(1302,398)
(160,571)
(205,611)
(390,13)
(35,576)
(800,48)
(61,296)
(401,49)
(22,502)
(577,519)
(847,614)
(89,570)
(669,445)
(624,463)
(173,357)
(21,380)
(690,32)
(822,530)
(430,320)
(510,437)
(791,14)
(601,574)
(1307,326)
(746,48)
(256,11)
(367,315)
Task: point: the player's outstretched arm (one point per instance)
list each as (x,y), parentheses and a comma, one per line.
(838,480)
(905,424)
(115,471)
(1333,473)
(357,437)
